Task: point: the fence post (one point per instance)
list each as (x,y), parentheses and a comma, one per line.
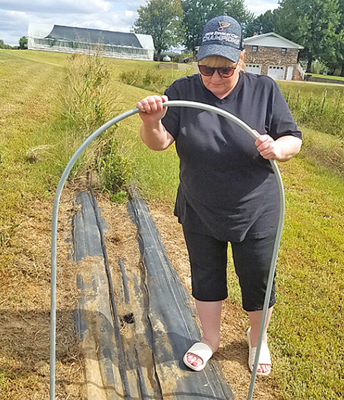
(323,102)
(297,99)
(310,99)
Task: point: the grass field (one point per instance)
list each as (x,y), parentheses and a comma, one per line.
(336,78)
(35,145)
(317,106)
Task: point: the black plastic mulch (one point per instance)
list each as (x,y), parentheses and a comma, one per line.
(170,326)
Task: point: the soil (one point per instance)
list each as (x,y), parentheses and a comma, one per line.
(25,302)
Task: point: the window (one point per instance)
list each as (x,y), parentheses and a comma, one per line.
(284,50)
(254,49)
(253,68)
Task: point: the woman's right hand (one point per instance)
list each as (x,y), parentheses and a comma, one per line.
(151,109)
(152,131)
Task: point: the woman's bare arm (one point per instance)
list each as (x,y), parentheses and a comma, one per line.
(282,149)
(152,131)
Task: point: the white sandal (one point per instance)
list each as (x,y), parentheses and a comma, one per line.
(201,350)
(264,355)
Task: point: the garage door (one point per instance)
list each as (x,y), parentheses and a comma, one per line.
(276,72)
(253,68)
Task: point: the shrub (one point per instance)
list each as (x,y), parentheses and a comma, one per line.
(178,58)
(319,68)
(88,102)
(153,79)
(114,171)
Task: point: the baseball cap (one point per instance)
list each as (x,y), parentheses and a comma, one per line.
(221,36)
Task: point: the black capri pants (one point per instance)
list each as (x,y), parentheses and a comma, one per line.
(252,261)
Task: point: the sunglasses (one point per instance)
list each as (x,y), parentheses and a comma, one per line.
(224,72)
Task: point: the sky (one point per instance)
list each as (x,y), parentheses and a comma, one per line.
(113,15)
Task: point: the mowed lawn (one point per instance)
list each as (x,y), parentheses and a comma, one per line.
(306,332)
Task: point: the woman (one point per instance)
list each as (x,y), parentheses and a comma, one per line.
(228,192)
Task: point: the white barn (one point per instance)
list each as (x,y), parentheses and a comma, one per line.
(66,39)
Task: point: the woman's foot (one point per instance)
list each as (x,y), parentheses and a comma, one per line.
(197,356)
(209,313)
(196,359)
(264,365)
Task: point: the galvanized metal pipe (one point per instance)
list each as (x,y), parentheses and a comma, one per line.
(59,189)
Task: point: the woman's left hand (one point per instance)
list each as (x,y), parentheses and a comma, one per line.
(282,149)
(267,147)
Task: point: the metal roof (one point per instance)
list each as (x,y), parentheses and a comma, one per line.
(94,36)
(87,35)
(271,39)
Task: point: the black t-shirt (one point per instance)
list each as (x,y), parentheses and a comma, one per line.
(227,190)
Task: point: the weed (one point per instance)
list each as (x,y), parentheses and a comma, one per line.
(152,79)
(319,109)
(88,100)
(6,233)
(115,171)
(36,154)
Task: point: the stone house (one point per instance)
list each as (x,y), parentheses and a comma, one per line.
(273,55)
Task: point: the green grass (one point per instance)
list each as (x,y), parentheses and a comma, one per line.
(310,284)
(305,332)
(291,89)
(154,79)
(320,107)
(42,57)
(306,329)
(308,87)
(155,173)
(28,109)
(337,78)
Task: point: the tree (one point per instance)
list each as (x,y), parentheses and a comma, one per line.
(198,12)
(163,20)
(313,24)
(4,46)
(265,23)
(340,31)
(23,42)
